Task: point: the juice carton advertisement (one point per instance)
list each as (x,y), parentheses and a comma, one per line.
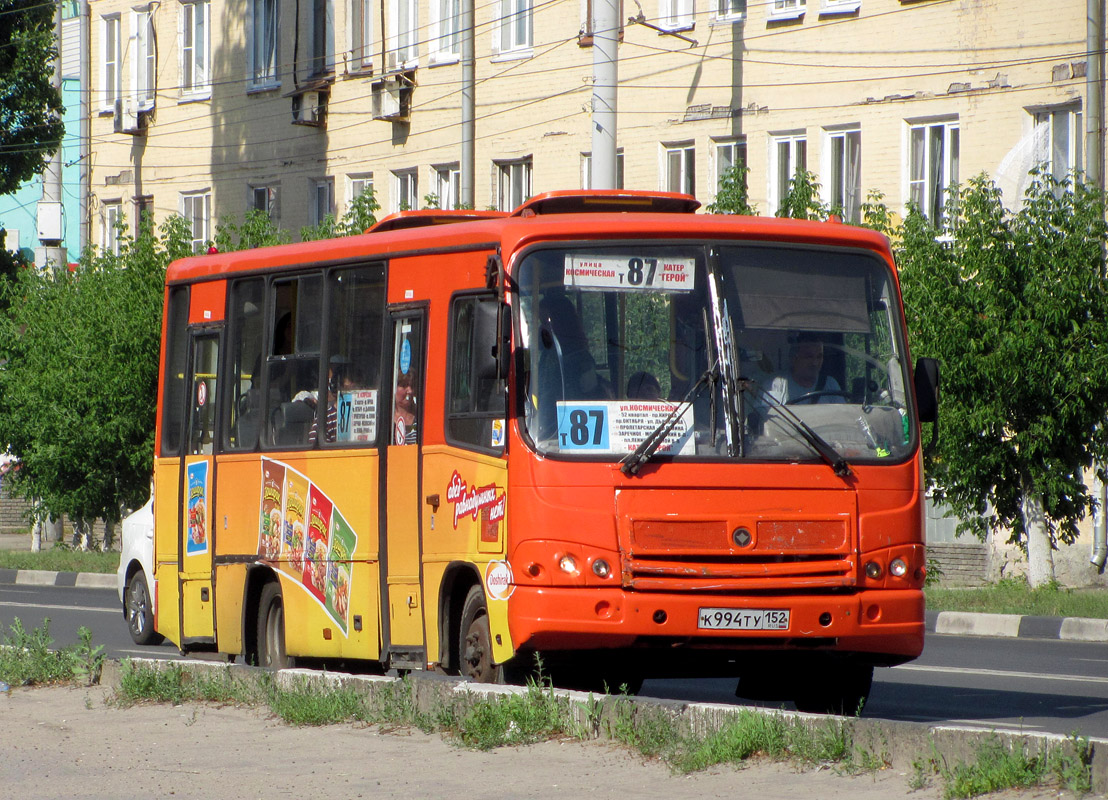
(292,540)
(197,508)
(316,544)
(343,542)
(273,496)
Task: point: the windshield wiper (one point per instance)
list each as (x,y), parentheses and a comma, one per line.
(634,461)
(824,448)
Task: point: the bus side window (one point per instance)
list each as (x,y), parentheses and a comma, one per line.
(244,407)
(475,404)
(292,364)
(176,353)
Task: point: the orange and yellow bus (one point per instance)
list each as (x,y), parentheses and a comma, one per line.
(632,439)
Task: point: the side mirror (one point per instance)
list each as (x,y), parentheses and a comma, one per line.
(927,389)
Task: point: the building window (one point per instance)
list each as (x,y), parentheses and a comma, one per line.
(264,199)
(403,33)
(111,220)
(144,211)
(405,184)
(675,14)
(196,208)
(932,165)
(729,154)
(111,58)
(360,184)
(323,200)
(448,185)
(787,9)
(729,10)
(195,47)
(788,156)
(323,37)
(839,6)
(1058,134)
(361,34)
(445,30)
(586,170)
(145,59)
(513,183)
(262,25)
(843,171)
(514,26)
(679,163)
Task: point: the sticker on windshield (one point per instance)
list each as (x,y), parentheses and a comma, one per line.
(630,273)
(619,426)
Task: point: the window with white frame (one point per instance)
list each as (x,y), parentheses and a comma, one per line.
(842,170)
(323,37)
(1058,134)
(403,49)
(111,221)
(262,42)
(446,37)
(196,208)
(405,190)
(448,185)
(111,57)
(144,63)
(675,14)
(586,170)
(264,199)
(513,183)
(932,165)
(359,184)
(839,6)
(729,153)
(322,201)
(514,26)
(729,10)
(195,47)
(787,9)
(361,35)
(679,165)
(788,155)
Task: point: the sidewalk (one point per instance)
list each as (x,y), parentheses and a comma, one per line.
(948,623)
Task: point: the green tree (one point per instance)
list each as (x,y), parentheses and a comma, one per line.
(30,106)
(732,197)
(80,383)
(1015,308)
(256,230)
(802,201)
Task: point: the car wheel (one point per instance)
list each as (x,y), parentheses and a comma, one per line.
(138,610)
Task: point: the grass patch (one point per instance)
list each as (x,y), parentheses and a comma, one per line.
(1014,596)
(26,658)
(513,719)
(60,559)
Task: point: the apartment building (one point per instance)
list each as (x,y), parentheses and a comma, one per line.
(210,107)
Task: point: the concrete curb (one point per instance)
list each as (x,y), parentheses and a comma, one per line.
(40,577)
(961,623)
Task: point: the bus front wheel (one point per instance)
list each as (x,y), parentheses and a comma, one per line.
(271,628)
(840,689)
(475,640)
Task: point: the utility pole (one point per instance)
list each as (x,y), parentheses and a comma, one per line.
(50,250)
(467,166)
(1094,174)
(605,73)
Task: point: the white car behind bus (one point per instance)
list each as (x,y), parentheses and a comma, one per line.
(135,575)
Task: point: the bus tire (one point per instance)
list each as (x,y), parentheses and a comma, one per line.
(271,628)
(140,617)
(842,689)
(475,641)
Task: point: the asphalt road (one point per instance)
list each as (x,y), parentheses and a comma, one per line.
(1034,685)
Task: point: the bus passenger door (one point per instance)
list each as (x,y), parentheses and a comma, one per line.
(197,501)
(403,624)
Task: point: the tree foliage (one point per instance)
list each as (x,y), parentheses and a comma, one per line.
(732,196)
(1015,308)
(30,105)
(80,381)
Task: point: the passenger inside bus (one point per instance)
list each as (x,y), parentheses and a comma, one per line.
(643,386)
(404,417)
(339,378)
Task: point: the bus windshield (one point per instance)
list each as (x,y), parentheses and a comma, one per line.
(726,350)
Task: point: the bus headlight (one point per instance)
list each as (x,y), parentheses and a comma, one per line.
(873,570)
(601,568)
(898,568)
(568,564)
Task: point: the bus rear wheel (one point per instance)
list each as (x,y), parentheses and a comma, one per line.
(271,628)
(475,641)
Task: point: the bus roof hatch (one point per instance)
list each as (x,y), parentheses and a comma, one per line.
(576,201)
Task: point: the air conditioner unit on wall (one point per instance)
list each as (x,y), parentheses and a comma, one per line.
(128,118)
(309,108)
(391,99)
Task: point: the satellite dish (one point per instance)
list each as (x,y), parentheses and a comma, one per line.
(1012,175)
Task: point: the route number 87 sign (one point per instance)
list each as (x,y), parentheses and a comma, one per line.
(630,273)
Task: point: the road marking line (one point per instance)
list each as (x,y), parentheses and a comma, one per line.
(118,610)
(1002,673)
